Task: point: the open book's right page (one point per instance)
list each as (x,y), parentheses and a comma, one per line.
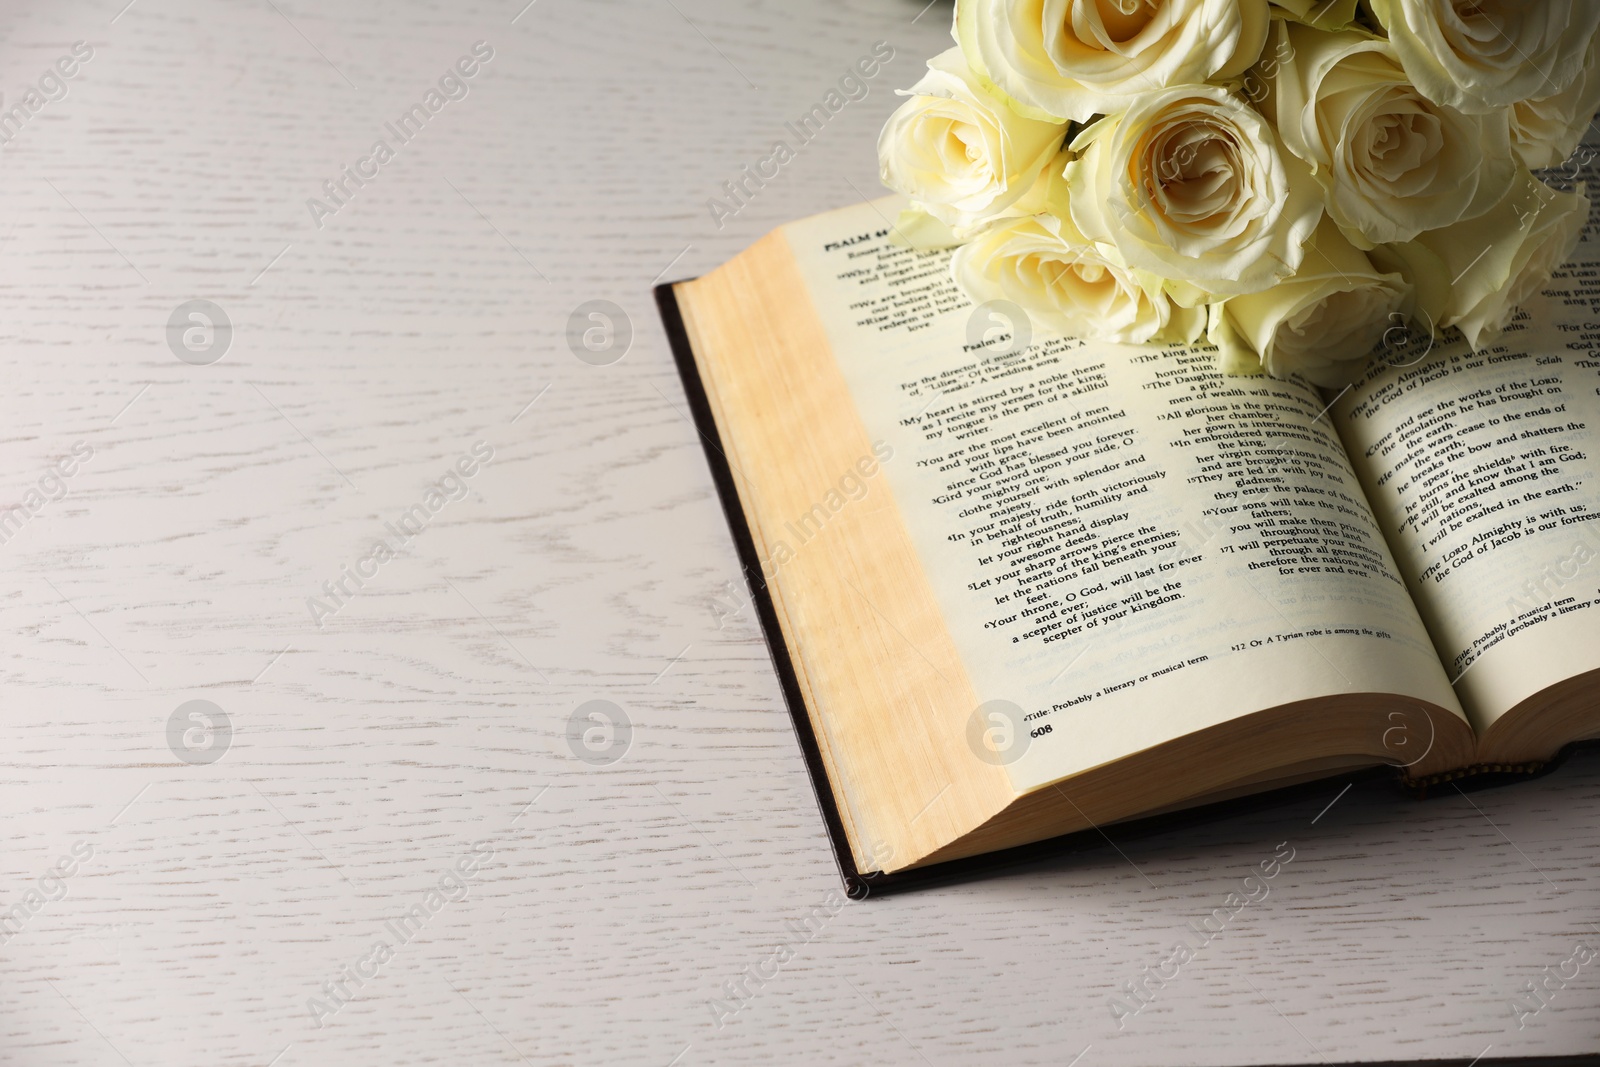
(1481,469)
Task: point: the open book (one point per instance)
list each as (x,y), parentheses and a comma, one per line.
(1024,586)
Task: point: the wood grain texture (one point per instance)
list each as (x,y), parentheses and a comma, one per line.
(584,562)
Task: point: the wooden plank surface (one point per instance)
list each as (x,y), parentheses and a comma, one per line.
(376,739)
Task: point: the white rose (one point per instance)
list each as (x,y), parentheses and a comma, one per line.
(958,151)
(1482,55)
(1323,14)
(1323,323)
(1189,184)
(1391,162)
(1067,284)
(1475,274)
(1546,131)
(1074,59)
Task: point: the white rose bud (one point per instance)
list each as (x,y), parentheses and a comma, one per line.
(1546,131)
(1322,324)
(958,151)
(1074,59)
(1475,274)
(1323,14)
(1482,55)
(1189,184)
(1066,283)
(1391,162)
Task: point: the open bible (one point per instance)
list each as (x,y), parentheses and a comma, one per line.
(1019,585)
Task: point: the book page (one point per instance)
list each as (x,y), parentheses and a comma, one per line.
(1481,469)
(1127,546)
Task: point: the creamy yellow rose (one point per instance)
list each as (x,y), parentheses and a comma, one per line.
(1074,59)
(1391,162)
(1474,275)
(1066,283)
(1189,184)
(1323,323)
(1546,131)
(958,151)
(1323,14)
(1483,55)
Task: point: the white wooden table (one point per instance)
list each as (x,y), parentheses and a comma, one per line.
(212,902)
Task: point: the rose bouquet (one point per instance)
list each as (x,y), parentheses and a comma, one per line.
(1289,179)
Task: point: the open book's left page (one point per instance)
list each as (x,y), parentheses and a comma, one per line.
(1126,546)
(871,681)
